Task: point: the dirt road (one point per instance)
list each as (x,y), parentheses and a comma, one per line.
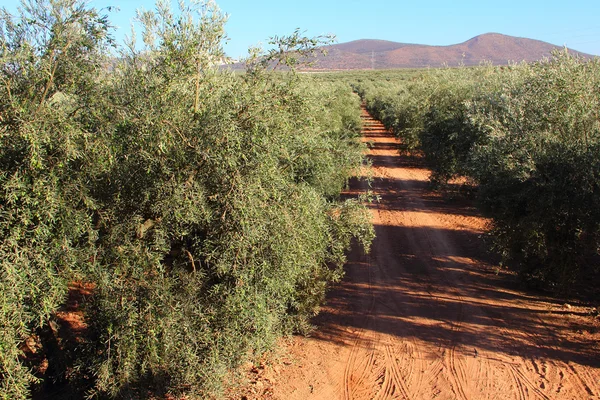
(424,316)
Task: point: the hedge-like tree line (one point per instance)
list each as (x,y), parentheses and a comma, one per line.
(199,208)
(527,136)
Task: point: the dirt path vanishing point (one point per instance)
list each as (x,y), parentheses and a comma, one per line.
(424,316)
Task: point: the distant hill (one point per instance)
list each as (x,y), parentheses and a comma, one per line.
(380,54)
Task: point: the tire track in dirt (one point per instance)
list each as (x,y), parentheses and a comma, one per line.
(391,379)
(593,387)
(457,373)
(522,394)
(349,369)
(524,382)
(542,388)
(582,381)
(391,363)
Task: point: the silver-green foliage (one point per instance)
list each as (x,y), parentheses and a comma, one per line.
(538,167)
(201,206)
(527,136)
(48,55)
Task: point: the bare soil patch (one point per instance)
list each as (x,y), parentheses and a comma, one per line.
(426,315)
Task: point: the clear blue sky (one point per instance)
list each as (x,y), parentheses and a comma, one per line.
(575,23)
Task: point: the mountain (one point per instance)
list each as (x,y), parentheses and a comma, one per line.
(380,54)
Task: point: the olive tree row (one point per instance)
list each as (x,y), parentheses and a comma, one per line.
(199,207)
(527,137)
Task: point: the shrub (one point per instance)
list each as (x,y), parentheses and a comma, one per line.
(202,207)
(536,169)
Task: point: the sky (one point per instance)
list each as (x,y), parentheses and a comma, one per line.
(575,24)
